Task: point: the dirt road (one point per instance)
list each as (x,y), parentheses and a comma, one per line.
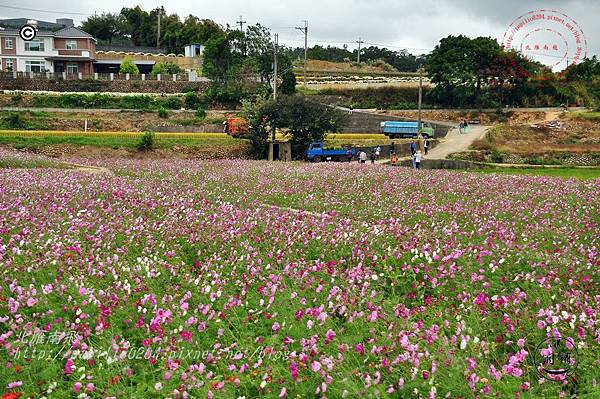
(457,142)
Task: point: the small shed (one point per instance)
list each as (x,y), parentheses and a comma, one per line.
(280,151)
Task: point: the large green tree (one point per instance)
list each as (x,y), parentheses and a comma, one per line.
(106,26)
(298,118)
(476,72)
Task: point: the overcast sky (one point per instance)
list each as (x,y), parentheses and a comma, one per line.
(413,24)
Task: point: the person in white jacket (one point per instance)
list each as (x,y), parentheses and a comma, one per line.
(417,158)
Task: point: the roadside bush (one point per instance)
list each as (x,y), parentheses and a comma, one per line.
(170,102)
(128,66)
(165,68)
(15,121)
(146,141)
(192,101)
(200,113)
(163,113)
(103,101)
(497,156)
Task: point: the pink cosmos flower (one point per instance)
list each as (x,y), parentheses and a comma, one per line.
(294,371)
(69,367)
(276,327)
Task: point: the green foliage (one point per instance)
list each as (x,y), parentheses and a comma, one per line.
(200,113)
(165,68)
(163,113)
(134,26)
(497,156)
(588,70)
(192,100)
(301,120)
(14,121)
(476,72)
(231,93)
(98,100)
(256,113)
(146,141)
(16,98)
(106,26)
(219,57)
(307,121)
(128,66)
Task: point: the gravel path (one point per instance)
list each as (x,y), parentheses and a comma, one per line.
(457,142)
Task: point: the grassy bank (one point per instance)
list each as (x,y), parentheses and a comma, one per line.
(578,173)
(118,140)
(15,163)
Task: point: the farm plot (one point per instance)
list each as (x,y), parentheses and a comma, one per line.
(232,279)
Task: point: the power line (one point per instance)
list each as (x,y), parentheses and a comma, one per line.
(45,11)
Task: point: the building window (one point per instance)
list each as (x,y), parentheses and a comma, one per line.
(10,65)
(8,43)
(72,68)
(34,45)
(71,45)
(35,66)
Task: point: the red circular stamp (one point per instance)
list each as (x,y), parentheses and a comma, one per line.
(547,36)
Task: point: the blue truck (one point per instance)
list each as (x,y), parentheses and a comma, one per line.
(397,130)
(317,152)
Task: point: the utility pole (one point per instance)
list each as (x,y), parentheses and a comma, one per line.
(275,67)
(305,31)
(158,33)
(241,23)
(420,97)
(359,43)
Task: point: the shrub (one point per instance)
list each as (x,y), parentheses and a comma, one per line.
(170,102)
(163,113)
(16,98)
(165,68)
(497,156)
(192,101)
(128,66)
(200,113)
(146,141)
(15,121)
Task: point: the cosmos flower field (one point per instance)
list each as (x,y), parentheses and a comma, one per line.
(229,279)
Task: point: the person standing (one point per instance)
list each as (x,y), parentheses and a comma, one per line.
(373,157)
(417,159)
(349,154)
(460,127)
(362,157)
(394,158)
(413,150)
(466,126)
(378,152)
(426,145)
